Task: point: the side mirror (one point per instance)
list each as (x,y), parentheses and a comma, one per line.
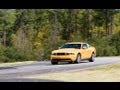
(90,46)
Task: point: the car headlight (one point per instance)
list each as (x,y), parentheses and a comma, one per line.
(53,54)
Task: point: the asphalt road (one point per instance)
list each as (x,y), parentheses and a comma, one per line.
(15,73)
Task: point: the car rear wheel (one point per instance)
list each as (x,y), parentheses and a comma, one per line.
(78,59)
(92,59)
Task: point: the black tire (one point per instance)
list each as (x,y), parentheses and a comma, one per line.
(70,62)
(54,63)
(92,59)
(78,59)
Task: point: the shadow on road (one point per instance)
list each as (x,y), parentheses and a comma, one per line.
(66,63)
(2,68)
(26,80)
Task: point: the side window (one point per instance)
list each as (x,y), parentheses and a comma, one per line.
(84,46)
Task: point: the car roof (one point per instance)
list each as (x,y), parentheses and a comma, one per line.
(76,43)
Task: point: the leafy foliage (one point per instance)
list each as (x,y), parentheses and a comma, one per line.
(31,34)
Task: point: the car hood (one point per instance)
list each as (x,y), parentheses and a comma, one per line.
(65,50)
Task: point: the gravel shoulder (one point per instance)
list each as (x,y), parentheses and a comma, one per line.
(16,63)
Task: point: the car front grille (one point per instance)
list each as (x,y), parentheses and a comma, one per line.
(60,54)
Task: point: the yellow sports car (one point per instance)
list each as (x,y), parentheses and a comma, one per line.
(73,52)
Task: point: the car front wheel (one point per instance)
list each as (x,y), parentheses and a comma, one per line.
(78,59)
(92,59)
(54,63)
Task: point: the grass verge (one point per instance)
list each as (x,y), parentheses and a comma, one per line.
(108,73)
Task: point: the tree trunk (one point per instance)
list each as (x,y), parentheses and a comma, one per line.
(106,22)
(54,30)
(4,37)
(111,26)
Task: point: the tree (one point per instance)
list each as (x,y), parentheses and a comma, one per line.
(7,20)
(104,18)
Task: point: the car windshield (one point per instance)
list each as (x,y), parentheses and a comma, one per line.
(77,46)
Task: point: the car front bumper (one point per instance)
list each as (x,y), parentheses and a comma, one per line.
(63,58)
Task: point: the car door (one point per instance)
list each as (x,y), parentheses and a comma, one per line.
(89,51)
(85,51)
